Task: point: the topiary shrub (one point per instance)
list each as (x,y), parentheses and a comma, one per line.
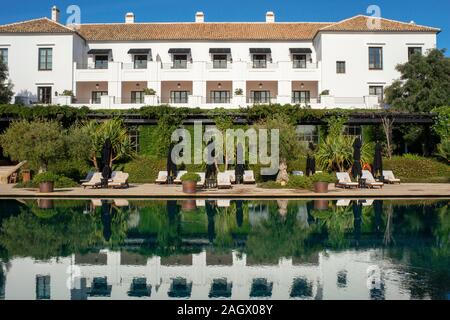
(45,177)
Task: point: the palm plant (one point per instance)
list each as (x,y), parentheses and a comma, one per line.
(115,130)
(336,153)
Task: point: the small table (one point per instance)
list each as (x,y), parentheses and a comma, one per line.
(239,179)
(362,183)
(211,183)
(104,182)
(169,180)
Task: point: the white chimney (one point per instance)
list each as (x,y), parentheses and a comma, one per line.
(129,17)
(199,17)
(270,17)
(55,14)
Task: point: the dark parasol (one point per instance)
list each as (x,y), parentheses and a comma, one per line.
(171,166)
(106,159)
(239,169)
(377,169)
(106,219)
(356,168)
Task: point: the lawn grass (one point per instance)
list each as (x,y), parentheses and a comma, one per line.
(415,169)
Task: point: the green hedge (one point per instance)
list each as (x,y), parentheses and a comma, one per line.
(415,169)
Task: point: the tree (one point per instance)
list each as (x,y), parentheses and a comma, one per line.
(115,130)
(424,83)
(387,128)
(290,146)
(6,92)
(39,142)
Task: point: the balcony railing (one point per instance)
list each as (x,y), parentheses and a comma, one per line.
(219,66)
(128,100)
(261,100)
(218,100)
(171,100)
(261,65)
(296,100)
(134,66)
(177,66)
(92,66)
(301,64)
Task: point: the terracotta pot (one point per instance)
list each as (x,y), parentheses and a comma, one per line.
(321,187)
(189,186)
(189,205)
(26,175)
(45,203)
(321,204)
(46,187)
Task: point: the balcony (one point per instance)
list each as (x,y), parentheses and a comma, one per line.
(176,66)
(98,65)
(261,65)
(301,64)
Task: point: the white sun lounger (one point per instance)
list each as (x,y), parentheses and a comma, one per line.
(179,175)
(232,175)
(202,181)
(389,177)
(370,180)
(344,181)
(120,180)
(223,180)
(162,177)
(223,203)
(249,177)
(343,203)
(95,182)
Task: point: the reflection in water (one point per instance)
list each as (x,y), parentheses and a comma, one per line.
(225,249)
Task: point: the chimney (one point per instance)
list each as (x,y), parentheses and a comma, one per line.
(55,14)
(129,17)
(199,17)
(270,17)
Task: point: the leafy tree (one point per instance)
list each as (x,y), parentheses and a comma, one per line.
(290,146)
(39,142)
(424,83)
(6,92)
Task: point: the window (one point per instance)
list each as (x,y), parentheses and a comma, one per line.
(414,50)
(308,134)
(140,61)
(96,96)
(260,96)
(259,61)
(4,56)
(340,67)
(220,61)
(180,61)
(179,96)
(220,97)
(45,95)
(133,134)
(353,130)
(301,96)
(377,91)
(42,287)
(299,61)
(137,96)
(101,62)
(375,58)
(45,59)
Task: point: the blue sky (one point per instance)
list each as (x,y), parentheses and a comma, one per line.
(431,12)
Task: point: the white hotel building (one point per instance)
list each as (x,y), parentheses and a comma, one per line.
(205,64)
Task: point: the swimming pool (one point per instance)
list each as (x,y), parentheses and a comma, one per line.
(224,249)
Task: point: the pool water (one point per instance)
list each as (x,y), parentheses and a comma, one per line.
(224,249)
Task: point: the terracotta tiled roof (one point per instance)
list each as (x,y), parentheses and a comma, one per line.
(42,25)
(201,31)
(362,23)
(290,31)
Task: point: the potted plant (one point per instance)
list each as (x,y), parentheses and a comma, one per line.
(321,182)
(189,181)
(238,92)
(46,181)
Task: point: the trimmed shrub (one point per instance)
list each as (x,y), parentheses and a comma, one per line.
(190,176)
(413,168)
(45,177)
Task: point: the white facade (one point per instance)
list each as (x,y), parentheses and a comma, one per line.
(280,80)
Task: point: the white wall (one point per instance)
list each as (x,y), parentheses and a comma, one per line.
(354,49)
(23,52)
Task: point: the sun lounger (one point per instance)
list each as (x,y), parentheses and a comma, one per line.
(343,203)
(88,177)
(200,203)
(367,203)
(202,181)
(249,177)
(95,182)
(232,175)
(344,181)
(370,180)
(223,203)
(120,180)
(389,177)
(179,175)
(162,177)
(223,180)
(121,203)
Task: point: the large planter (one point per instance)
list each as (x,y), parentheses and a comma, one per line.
(26,176)
(46,187)
(321,187)
(189,186)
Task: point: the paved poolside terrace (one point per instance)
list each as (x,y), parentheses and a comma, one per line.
(404,190)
